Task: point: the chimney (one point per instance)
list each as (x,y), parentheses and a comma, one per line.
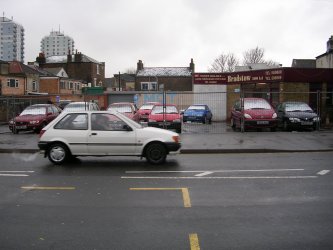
(139,66)
(330,45)
(78,57)
(41,59)
(192,66)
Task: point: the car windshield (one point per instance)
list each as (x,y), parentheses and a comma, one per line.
(168,110)
(120,108)
(147,106)
(298,107)
(195,107)
(34,111)
(256,104)
(77,107)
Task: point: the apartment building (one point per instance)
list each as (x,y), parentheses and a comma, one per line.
(57,44)
(11,40)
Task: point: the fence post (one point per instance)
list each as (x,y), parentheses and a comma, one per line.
(242,127)
(318,110)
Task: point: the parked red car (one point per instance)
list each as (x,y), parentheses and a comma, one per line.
(34,117)
(257,113)
(168,117)
(145,110)
(127,108)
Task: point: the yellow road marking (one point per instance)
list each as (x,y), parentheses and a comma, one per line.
(194,242)
(186,195)
(48,188)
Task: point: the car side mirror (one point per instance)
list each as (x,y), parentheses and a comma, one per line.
(182,111)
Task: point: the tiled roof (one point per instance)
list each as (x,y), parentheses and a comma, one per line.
(63,59)
(165,71)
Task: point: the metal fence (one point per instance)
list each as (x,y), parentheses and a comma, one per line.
(221,104)
(11,106)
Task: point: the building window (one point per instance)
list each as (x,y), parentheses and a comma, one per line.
(34,86)
(12,83)
(147,86)
(97,69)
(70,85)
(62,85)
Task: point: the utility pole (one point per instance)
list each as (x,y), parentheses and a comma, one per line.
(119,82)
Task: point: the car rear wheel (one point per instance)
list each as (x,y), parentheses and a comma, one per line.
(156,153)
(58,153)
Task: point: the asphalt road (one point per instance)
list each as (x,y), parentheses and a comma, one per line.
(224,201)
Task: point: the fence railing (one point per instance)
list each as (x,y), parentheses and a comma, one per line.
(221,105)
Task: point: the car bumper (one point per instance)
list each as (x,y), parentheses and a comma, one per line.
(167,125)
(172,146)
(260,123)
(193,119)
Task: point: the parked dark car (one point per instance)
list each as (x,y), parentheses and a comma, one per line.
(166,116)
(256,112)
(198,113)
(296,116)
(34,118)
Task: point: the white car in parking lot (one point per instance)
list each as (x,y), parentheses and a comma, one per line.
(104,133)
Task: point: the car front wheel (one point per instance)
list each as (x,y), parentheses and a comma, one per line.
(58,153)
(156,153)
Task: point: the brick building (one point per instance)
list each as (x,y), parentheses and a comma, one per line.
(164,78)
(77,66)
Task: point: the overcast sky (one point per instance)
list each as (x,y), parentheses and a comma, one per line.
(171,32)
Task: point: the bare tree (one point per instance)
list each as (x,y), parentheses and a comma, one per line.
(224,63)
(255,55)
(130,71)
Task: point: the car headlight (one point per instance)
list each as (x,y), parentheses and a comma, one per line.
(34,122)
(176,120)
(11,122)
(294,119)
(274,115)
(176,138)
(316,119)
(247,116)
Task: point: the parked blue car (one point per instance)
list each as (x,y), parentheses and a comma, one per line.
(198,113)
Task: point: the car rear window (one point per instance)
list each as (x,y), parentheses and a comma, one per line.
(73,122)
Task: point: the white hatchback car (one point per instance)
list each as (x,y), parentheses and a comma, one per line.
(104,133)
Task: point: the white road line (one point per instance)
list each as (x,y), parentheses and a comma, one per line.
(219,177)
(17,171)
(218,171)
(14,175)
(323,172)
(203,174)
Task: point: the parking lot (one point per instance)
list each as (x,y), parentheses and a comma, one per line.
(227,201)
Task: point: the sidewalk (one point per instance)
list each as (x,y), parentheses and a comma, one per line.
(226,142)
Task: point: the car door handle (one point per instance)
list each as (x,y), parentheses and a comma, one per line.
(93,133)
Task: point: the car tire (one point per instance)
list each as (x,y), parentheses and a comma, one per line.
(232,124)
(155,153)
(210,121)
(58,153)
(285,126)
